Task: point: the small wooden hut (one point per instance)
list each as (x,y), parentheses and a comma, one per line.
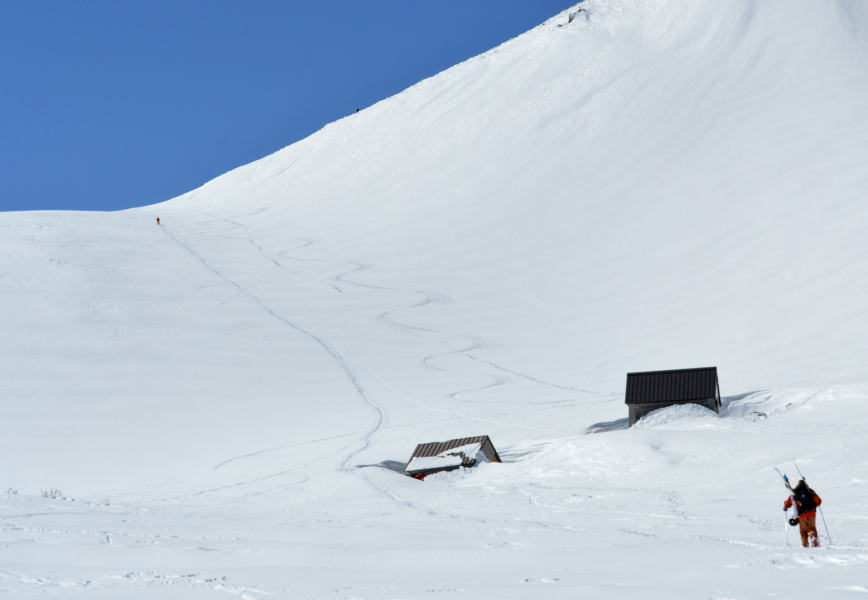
(433,457)
(651,390)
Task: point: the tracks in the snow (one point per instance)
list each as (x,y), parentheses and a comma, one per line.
(330,349)
(338,283)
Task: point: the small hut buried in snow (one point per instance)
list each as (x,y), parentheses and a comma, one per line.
(651,390)
(434,457)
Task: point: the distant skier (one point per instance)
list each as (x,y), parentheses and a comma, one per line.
(807,502)
(158,220)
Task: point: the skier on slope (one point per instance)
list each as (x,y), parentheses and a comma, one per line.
(807,502)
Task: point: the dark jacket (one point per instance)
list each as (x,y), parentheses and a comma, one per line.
(806,499)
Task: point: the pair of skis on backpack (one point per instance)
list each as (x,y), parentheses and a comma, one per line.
(794,519)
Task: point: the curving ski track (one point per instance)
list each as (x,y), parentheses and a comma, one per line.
(333,352)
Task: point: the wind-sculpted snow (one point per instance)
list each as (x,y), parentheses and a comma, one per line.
(221,405)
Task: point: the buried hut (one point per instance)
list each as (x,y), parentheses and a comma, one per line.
(434,457)
(651,390)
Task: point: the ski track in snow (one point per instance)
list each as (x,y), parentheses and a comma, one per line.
(387,317)
(427,298)
(138,579)
(670,499)
(460,415)
(367,437)
(474,344)
(352,434)
(329,348)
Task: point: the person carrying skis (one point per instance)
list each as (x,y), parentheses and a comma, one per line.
(807,502)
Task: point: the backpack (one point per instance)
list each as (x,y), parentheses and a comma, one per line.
(805,500)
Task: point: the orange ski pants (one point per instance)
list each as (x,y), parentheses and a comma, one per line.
(808,529)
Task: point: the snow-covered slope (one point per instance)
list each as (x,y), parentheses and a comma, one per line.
(212,405)
(664,182)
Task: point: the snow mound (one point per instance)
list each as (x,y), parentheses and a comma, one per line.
(679,416)
(469,454)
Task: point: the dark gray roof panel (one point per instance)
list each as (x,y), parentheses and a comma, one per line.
(435,448)
(680,385)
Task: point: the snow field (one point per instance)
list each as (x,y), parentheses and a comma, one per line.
(672,491)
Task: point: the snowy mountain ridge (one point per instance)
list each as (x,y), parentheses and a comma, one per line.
(216,405)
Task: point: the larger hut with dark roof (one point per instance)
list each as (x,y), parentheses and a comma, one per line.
(651,390)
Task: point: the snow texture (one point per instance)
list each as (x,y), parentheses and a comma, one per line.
(221,405)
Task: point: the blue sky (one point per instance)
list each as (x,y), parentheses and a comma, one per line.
(108,104)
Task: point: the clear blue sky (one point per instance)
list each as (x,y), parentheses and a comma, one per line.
(108,104)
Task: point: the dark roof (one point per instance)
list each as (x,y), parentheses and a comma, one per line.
(680,385)
(436,448)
